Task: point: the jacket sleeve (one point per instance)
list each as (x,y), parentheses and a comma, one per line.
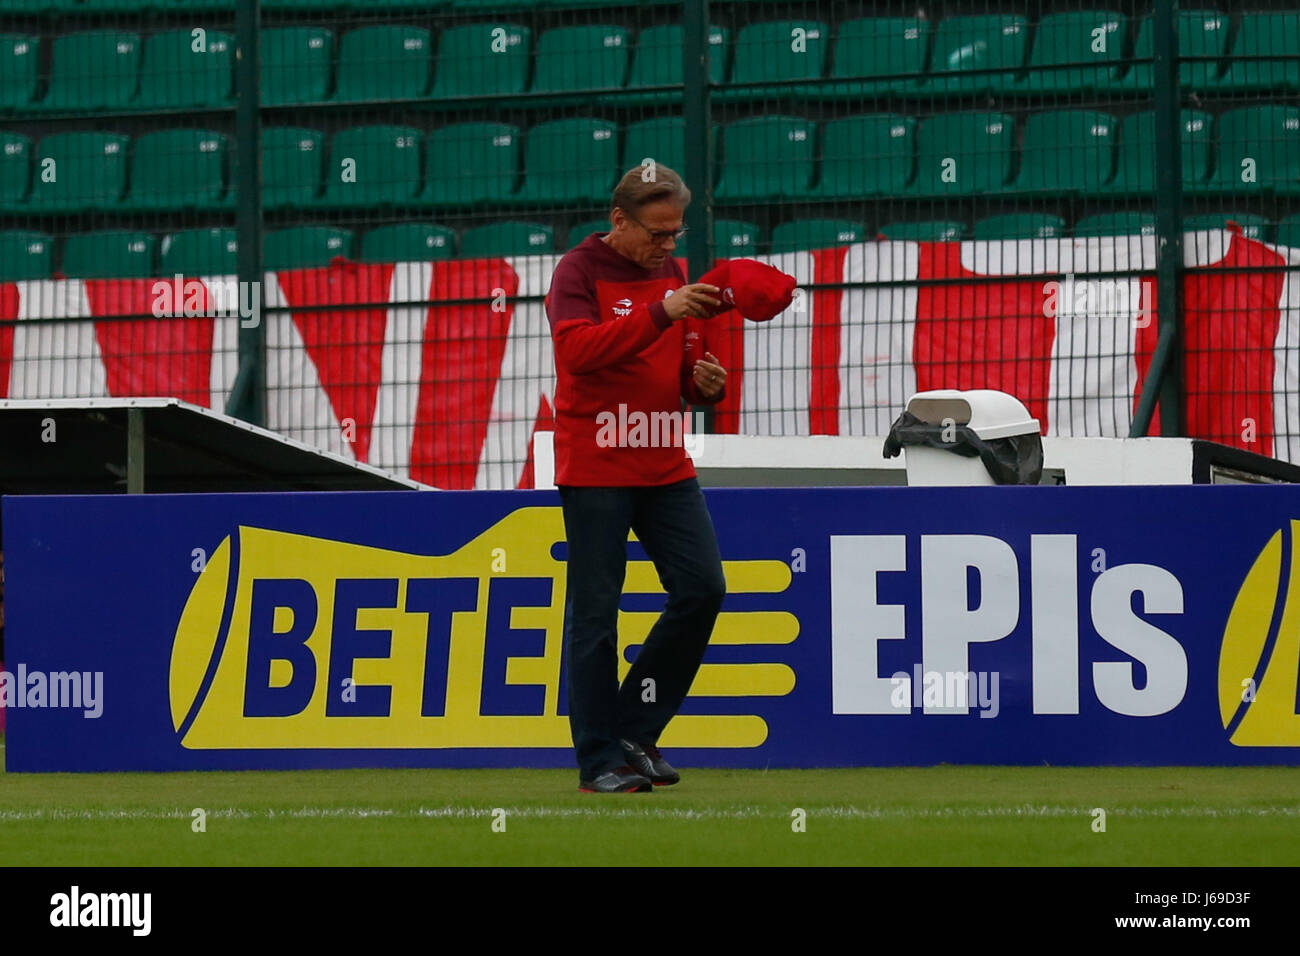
(585,344)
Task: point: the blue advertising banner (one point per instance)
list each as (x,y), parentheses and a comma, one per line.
(862,626)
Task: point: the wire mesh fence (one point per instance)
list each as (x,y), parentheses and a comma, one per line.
(970,195)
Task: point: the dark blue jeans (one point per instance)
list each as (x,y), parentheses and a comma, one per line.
(673,525)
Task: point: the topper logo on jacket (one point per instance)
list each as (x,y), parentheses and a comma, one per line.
(294,641)
(623,307)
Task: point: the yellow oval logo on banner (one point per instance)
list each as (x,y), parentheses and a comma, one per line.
(1257,682)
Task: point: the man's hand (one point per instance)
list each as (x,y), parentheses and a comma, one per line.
(709,375)
(690,301)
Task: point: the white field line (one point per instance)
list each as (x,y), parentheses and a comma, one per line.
(646,813)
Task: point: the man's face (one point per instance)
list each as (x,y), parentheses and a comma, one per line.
(645,237)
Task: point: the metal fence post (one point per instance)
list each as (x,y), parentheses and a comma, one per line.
(698,121)
(1165,379)
(248,396)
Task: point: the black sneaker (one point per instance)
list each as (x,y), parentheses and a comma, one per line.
(619,780)
(646,760)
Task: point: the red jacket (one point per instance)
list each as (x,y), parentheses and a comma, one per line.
(622,369)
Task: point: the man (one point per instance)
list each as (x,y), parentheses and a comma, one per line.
(627,345)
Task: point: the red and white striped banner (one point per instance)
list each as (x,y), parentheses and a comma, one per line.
(450,393)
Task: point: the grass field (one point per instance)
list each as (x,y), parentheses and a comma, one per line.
(896,816)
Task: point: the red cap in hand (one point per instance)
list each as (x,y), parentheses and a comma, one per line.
(756,290)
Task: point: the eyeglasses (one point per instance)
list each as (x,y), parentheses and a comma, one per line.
(657,235)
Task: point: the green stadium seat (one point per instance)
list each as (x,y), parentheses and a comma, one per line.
(373,166)
(1259,37)
(25,255)
(1075,51)
(1135,164)
(15,168)
(20,56)
(937,230)
(29,7)
(102,6)
(408,242)
(1035,225)
(777,52)
(963,154)
(194,6)
(1252,226)
(1202,34)
(199,252)
(177,169)
(471,163)
(657,61)
(78,171)
(484,6)
(874,56)
(328,6)
(1066,152)
(383,63)
(662,139)
(295,65)
(866,156)
(305,6)
(1288,232)
(591,57)
(967,48)
(109,254)
(766,157)
(732,239)
(173,75)
(507,239)
(291,166)
(92,71)
(801,234)
(539,4)
(482,59)
(1116,224)
(402,6)
(305,247)
(570,161)
(1259,151)
(584,229)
